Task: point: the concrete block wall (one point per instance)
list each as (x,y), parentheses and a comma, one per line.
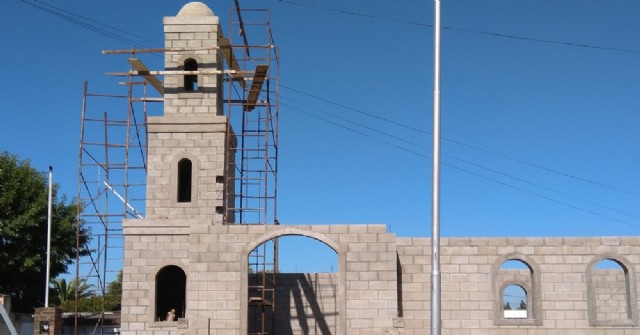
(193,33)
(560,289)
(610,289)
(216,269)
(145,255)
(383,282)
(201,139)
(307,304)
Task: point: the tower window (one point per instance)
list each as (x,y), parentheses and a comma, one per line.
(171,284)
(184,180)
(191,80)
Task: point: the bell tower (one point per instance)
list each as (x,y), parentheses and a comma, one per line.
(189,146)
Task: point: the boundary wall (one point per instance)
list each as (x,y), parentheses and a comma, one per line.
(383,282)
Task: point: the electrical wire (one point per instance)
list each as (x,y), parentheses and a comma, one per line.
(465,170)
(97,22)
(520,161)
(471,31)
(55,11)
(356,131)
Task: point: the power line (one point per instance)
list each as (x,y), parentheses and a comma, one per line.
(68,16)
(97,22)
(457,158)
(355,110)
(471,31)
(356,131)
(355,123)
(514,187)
(520,161)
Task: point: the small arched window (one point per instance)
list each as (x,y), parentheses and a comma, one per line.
(514,300)
(171,288)
(184,180)
(190,80)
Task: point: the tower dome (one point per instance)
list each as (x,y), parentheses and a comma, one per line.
(195,9)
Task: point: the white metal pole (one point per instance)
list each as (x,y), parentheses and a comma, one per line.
(46,288)
(436,320)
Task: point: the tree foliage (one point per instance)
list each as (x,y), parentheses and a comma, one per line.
(523,305)
(23,233)
(88,302)
(63,292)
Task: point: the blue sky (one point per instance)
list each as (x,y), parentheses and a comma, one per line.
(540,107)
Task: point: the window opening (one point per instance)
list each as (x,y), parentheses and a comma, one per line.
(515,286)
(514,298)
(611,282)
(171,284)
(184,180)
(191,80)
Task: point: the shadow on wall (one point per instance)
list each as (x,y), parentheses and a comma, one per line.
(307,303)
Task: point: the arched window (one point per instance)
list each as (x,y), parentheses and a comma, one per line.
(171,287)
(191,80)
(184,180)
(514,299)
(516,284)
(611,295)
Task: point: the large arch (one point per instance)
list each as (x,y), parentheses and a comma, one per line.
(292,231)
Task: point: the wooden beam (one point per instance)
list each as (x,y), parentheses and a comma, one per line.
(256,87)
(144,72)
(177,72)
(229,57)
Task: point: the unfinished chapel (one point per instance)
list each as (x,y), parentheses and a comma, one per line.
(203,260)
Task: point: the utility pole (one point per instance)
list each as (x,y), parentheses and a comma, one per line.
(436,320)
(46,284)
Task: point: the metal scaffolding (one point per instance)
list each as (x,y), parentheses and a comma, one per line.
(253,114)
(113,151)
(111,186)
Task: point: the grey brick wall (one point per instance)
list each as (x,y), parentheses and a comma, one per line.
(383,282)
(472,283)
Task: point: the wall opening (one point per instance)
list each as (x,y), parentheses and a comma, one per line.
(305,286)
(185,175)
(190,80)
(610,286)
(515,292)
(514,298)
(171,284)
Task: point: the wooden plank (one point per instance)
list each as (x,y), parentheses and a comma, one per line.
(144,72)
(230,58)
(256,87)
(175,72)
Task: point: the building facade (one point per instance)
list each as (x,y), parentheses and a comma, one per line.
(185,269)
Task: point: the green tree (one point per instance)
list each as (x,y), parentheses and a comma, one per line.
(523,305)
(88,302)
(507,307)
(114,294)
(64,292)
(23,233)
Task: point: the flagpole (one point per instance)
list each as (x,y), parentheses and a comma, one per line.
(46,288)
(436,320)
